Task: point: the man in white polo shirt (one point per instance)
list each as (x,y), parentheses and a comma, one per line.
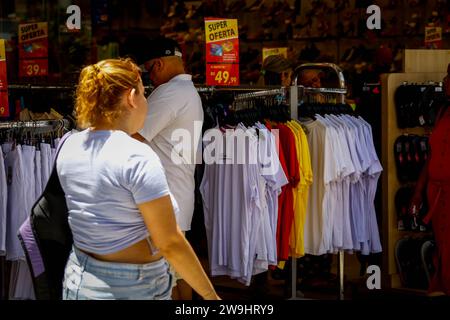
(175,109)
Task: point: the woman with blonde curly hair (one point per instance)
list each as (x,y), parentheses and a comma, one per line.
(121,212)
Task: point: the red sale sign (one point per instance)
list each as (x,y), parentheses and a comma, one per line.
(222,74)
(4,106)
(222,52)
(33,68)
(33,49)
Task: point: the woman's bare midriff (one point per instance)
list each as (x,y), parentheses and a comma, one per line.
(138,253)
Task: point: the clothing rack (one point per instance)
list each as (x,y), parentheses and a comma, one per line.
(200,88)
(258,94)
(299,93)
(49,124)
(243,98)
(248,88)
(38,87)
(249,93)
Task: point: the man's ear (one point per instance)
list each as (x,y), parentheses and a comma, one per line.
(159,64)
(131,98)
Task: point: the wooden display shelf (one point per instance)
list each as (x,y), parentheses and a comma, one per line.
(390,183)
(417,292)
(411,233)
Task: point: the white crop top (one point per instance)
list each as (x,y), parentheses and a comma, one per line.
(105,175)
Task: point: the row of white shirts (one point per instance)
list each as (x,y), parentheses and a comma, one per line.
(341,212)
(240,202)
(24,173)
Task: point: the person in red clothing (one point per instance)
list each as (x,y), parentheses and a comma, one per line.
(435,181)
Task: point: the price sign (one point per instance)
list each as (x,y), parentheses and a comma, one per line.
(4,106)
(222,74)
(222,52)
(433,37)
(33,68)
(33,49)
(274,51)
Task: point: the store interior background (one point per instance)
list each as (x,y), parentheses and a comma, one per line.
(313,31)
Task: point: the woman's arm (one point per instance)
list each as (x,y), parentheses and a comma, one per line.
(160,220)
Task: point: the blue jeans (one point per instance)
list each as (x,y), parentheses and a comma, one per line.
(86,278)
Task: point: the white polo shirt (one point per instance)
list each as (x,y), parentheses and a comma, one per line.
(175,109)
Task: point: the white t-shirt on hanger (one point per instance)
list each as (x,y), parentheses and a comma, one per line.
(344,239)
(230,196)
(320,152)
(3,202)
(275,180)
(38,174)
(16,211)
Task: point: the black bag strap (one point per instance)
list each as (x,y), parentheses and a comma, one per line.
(61,142)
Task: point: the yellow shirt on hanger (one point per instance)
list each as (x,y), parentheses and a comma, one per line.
(307,181)
(295,241)
(306,174)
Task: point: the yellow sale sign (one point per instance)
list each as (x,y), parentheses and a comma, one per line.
(274,51)
(221,29)
(2,50)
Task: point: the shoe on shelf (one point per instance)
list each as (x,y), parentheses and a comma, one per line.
(236,6)
(190,12)
(258,5)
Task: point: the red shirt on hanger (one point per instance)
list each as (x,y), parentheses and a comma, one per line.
(290,164)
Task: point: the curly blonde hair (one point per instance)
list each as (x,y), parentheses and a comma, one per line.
(100,89)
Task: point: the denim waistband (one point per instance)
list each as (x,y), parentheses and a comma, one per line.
(119,270)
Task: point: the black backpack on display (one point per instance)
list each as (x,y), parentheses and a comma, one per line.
(47,239)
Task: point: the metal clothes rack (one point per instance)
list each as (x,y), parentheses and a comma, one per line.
(250,92)
(243,98)
(200,88)
(35,124)
(257,94)
(299,93)
(38,87)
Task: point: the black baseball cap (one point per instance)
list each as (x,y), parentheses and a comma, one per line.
(158,48)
